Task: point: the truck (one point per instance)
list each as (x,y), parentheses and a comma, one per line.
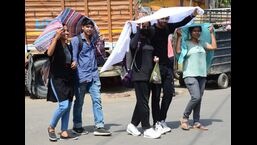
(109,15)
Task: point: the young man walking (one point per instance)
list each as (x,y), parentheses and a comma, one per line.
(88,79)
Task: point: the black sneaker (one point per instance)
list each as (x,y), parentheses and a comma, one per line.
(80,131)
(102,131)
(52,136)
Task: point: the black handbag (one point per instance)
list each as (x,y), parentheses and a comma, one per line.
(126,79)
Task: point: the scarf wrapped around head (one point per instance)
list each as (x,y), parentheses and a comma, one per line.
(205,37)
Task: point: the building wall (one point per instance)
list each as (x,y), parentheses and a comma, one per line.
(110,15)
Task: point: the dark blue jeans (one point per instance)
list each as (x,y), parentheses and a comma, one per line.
(195,86)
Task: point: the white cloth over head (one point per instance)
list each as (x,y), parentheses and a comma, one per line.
(176,14)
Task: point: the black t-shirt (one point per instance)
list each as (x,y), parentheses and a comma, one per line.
(59,66)
(159,40)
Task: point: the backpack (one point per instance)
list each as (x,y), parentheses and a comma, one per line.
(126,71)
(100,50)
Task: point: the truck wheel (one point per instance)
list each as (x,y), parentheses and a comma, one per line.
(38,89)
(26,80)
(223,81)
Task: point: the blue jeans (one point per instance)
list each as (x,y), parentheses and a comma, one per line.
(94,90)
(62,111)
(195,86)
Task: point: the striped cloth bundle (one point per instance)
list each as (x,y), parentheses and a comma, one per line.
(70,18)
(45,38)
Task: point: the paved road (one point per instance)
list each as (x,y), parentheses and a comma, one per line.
(118,107)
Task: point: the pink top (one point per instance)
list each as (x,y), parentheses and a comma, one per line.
(170,48)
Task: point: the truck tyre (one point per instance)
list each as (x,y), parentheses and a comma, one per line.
(38,89)
(26,80)
(223,81)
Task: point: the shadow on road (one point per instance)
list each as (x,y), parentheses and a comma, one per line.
(205,122)
(113,85)
(90,128)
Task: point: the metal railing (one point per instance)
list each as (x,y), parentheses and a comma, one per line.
(218,17)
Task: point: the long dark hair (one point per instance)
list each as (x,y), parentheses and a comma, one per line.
(190,29)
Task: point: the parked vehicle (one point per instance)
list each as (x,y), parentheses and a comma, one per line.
(220,69)
(34,60)
(109,15)
(34,85)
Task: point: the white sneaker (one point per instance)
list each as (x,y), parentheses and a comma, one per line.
(151,133)
(132,129)
(159,128)
(165,127)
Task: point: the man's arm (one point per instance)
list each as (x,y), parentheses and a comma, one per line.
(187,19)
